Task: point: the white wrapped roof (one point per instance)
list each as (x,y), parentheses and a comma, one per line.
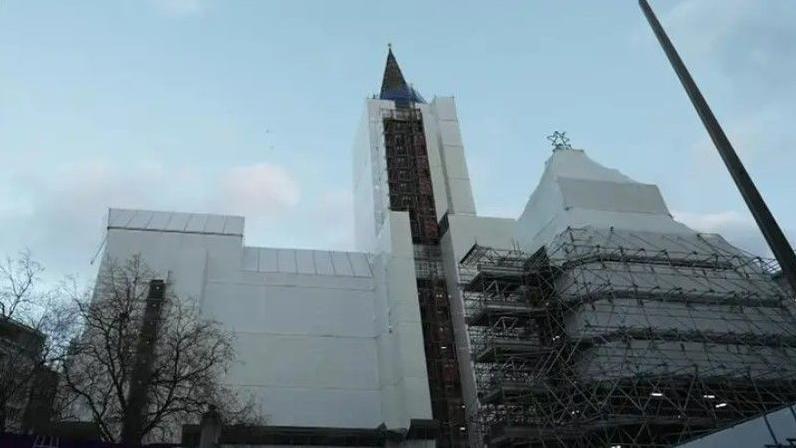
(175,222)
(575,191)
(313,262)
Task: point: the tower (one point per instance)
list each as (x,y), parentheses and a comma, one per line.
(594,319)
(404,179)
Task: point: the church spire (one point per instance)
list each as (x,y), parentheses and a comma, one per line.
(393,78)
(394,86)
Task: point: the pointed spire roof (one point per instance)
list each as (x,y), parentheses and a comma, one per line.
(394,86)
(393,78)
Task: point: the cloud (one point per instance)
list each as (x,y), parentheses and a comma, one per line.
(12,204)
(258,190)
(60,215)
(713,222)
(705,23)
(180,8)
(743,56)
(756,136)
(336,210)
(738,228)
(752,43)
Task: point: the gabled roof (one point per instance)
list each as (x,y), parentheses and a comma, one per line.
(393,85)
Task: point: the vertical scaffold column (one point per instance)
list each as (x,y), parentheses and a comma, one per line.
(410,190)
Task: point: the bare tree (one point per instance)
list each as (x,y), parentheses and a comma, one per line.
(20,278)
(20,350)
(32,328)
(191,354)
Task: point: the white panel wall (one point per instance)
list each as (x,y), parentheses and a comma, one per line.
(364,218)
(448,141)
(296,307)
(612,196)
(371,198)
(404,379)
(439,182)
(305,337)
(328,339)
(181,258)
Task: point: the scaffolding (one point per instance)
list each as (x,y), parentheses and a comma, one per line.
(410,190)
(608,338)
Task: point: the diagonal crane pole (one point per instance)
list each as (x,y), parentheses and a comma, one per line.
(765,220)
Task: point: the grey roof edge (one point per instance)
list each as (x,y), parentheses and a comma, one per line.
(227,230)
(330,252)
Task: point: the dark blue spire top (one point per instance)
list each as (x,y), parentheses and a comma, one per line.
(394,86)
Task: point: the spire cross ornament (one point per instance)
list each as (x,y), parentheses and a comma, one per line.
(559,140)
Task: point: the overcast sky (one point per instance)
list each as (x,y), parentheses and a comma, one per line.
(250,107)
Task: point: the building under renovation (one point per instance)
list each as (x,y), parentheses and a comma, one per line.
(594,319)
(610,324)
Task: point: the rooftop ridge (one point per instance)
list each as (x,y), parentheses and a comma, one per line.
(179,222)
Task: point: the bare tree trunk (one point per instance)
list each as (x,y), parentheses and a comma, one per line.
(133,428)
(210,428)
(143,367)
(2,418)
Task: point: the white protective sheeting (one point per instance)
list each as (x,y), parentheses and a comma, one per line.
(653,289)
(611,196)
(175,222)
(644,289)
(449,173)
(575,191)
(319,343)
(310,262)
(404,379)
